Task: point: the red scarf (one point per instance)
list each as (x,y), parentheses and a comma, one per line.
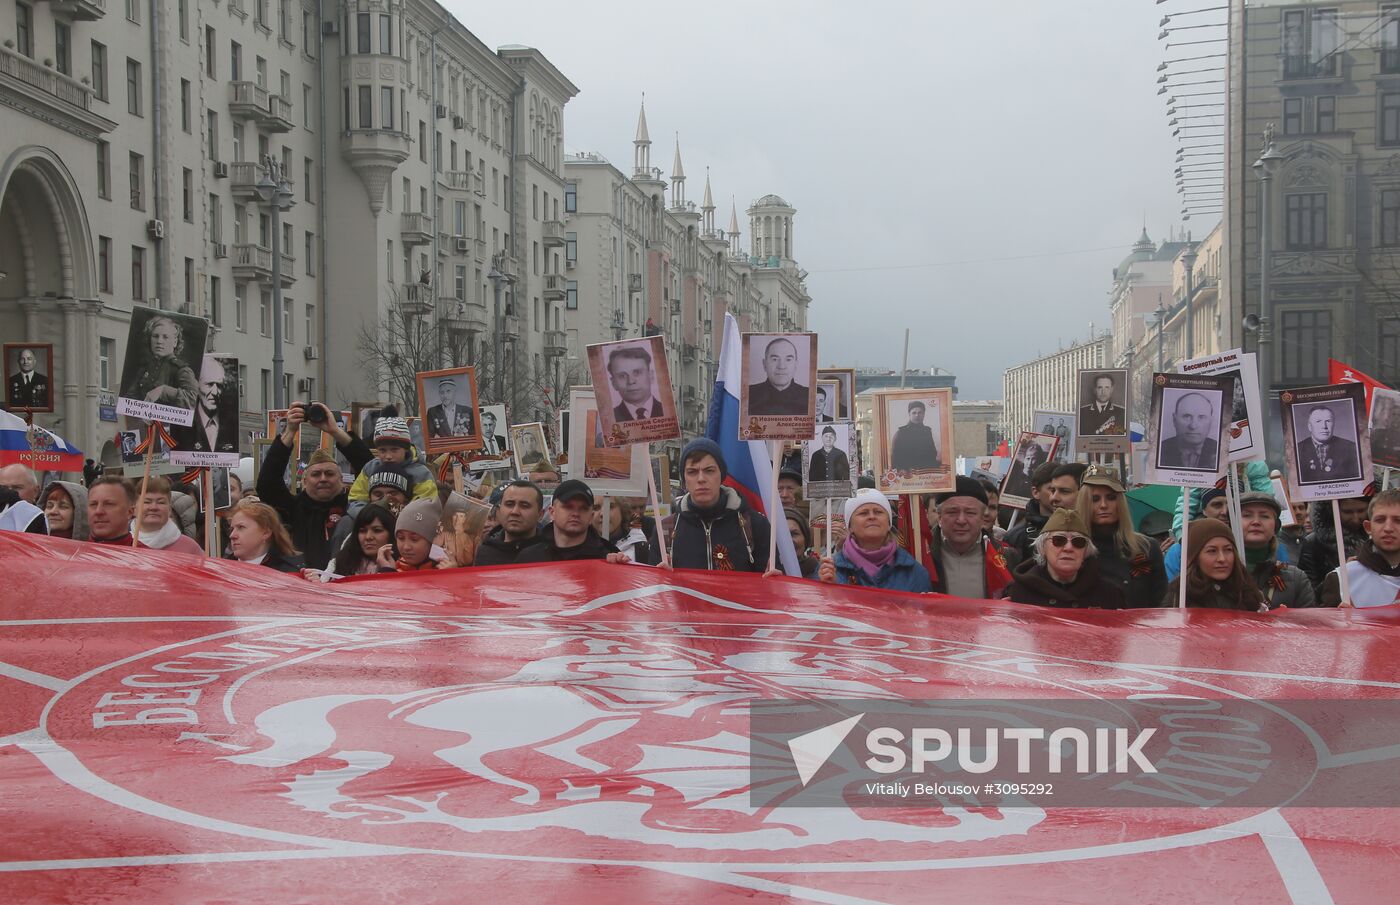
(123,541)
(995,576)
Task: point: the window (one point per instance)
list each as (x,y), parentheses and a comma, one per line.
(189,285)
(133,87)
(216,312)
(138,273)
(459,282)
(363,36)
(308,34)
(216,218)
(1388,349)
(242,382)
(106,354)
(260,71)
(310,253)
(1326,114)
(99,71)
(1390,118)
(104,264)
(185,104)
(133,11)
(240,308)
(136,166)
(260,12)
(459,218)
(63,48)
(237,141)
(422,141)
(212,128)
(1292,116)
(570,197)
(266,389)
(1390,38)
(284,21)
(104,170)
(182,13)
(187,194)
(1306,220)
(308,169)
(211,37)
(265,312)
(24,29)
(235,61)
(386,34)
(1310,43)
(366,107)
(571,295)
(306,105)
(1390,218)
(1307,342)
(287,306)
(240,213)
(310,324)
(535,202)
(571,247)
(386,102)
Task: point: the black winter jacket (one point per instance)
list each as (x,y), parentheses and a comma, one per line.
(730,537)
(593,547)
(1317,555)
(1034,585)
(311,524)
(1142,577)
(495,550)
(1019,540)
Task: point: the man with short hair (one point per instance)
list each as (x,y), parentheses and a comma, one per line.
(1052,487)
(632,375)
(790,488)
(19,498)
(714,528)
(206,433)
(779,393)
(447,418)
(1282,585)
(28,387)
(495,445)
(824,404)
(517,528)
(111,505)
(21,479)
(1323,456)
(1101,416)
(389,487)
(829,463)
(962,561)
(1373,574)
(1317,555)
(1192,446)
(570,535)
(312,514)
(912,446)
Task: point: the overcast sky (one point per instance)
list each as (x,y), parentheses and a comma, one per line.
(910,137)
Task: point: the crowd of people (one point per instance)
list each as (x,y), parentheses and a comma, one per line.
(1074,546)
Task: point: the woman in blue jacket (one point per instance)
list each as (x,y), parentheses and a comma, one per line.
(871,557)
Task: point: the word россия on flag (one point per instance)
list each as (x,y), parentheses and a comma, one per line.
(35,447)
(750,466)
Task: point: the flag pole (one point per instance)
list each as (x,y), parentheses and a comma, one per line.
(775,509)
(1341,554)
(1232,493)
(827,532)
(206,489)
(1185,557)
(655,508)
(151,441)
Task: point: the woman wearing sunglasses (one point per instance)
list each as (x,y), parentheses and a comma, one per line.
(1215,576)
(1065,570)
(1126,558)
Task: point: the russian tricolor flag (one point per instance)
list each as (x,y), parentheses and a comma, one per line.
(750,468)
(36,447)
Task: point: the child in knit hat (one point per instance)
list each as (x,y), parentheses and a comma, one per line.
(412,549)
(393,446)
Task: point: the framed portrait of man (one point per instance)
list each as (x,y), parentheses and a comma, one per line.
(1384,427)
(845,409)
(615,470)
(829,462)
(528,446)
(1244,402)
(1032,451)
(363,418)
(1101,425)
(495,436)
(632,382)
(28,376)
(828,400)
(211,438)
(913,441)
(1327,443)
(127,441)
(1187,429)
(1059,425)
(778,395)
(222,496)
(448,403)
(160,372)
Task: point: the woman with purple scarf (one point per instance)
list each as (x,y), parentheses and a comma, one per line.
(871,557)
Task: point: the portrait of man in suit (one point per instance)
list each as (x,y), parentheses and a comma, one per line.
(1325,455)
(829,463)
(780,392)
(495,444)
(450,418)
(824,406)
(1102,413)
(28,386)
(215,424)
(633,378)
(1194,442)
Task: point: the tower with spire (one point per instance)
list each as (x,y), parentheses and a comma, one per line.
(677,178)
(707,207)
(641,145)
(734,248)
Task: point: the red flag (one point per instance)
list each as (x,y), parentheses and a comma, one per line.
(1003,449)
(1337,372)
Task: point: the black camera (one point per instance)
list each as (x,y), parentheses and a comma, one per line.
(317,413)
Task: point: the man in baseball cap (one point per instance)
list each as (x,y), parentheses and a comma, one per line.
(570,534)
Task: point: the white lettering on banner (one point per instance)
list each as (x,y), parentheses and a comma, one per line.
(201,459)
(1114,751)
(154,411)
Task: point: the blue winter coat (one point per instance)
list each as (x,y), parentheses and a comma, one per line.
(902,573)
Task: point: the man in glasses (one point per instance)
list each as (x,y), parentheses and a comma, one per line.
(962,560)
(1065,570)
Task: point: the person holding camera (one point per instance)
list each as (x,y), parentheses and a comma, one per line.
(312,514)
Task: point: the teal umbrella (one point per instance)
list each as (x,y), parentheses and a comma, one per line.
(1153,497)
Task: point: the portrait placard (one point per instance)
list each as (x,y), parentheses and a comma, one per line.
(127,441)
(164,353)
(1102,423)
(448,403)
(363,417)
(222,494)
(778,391)
(529,448)
(1187,427)
(632,383)
(1326,442)
(277,423)
(1032,451)
(495,435)
(828,400)
(1384,427)
(846,398)
(28,376)
(1246,407)
(211,438)
(829,462)
(612,470)
(1061,426)
(913,441)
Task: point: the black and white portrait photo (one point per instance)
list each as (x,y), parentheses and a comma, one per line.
(1059,425)
(1243,405)
(222,496)
(28,371)
(1032,451)
(493,431)
(1385,427)
(1103,404)
(633,385)
(447,402)
(828,462)
(846,392)
(1187,428)
(363,417)
(828,394)
(160,373)
(528,445)
(128,440)
(780,373)
(1326,442)
(914,431)
(212,437)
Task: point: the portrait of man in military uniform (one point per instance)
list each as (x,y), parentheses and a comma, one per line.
(785,362)
(28,368)
(1102,408)
(1327,451)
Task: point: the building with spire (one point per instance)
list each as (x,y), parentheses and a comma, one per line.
(636,264)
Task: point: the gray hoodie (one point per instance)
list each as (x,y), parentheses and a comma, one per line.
(79,495)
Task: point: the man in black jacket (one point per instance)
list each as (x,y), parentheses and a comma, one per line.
(714,529)
(312,514)
(1317,555)
(570,535)
(1052,487)
(517,525)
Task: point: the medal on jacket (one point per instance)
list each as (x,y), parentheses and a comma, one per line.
(722,561)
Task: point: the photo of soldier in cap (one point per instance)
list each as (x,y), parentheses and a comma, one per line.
(448,402)
(28,366)
(913,430)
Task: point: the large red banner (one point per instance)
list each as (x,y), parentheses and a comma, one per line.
(182,730)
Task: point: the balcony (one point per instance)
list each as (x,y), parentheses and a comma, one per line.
(43,92)
(279,114)
(247,101)
(416,229)
(254,262)
(1305,66)
(554,289)
(444,245)
(553,233)
(416,299)
(458,180)
(79,10)
(634,282)
(464,317)
(556,343)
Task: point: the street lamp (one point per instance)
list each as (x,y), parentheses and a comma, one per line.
(1264,168)
(276,195)
(499,279)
